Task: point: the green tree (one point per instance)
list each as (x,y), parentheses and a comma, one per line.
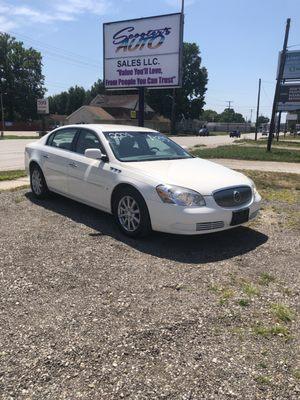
(190,98)
(262,120)
(68,101)
(229,115)
(209,116)
(97,88)
(76,98)
(21,78)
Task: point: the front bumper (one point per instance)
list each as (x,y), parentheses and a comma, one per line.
(196,220)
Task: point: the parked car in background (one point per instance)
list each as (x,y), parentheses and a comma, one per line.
(203,132)
(147,181)
(235,134)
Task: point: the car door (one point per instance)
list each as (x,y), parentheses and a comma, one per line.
(89,180)
(56,157)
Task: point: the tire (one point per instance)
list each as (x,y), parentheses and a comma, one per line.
(131,213)
(38,183)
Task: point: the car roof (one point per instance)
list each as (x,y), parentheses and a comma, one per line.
(110,128)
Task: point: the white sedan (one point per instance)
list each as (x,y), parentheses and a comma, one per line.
(147,181)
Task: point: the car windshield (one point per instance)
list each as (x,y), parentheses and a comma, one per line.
(144,146)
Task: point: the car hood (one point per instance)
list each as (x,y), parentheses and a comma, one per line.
(194,173)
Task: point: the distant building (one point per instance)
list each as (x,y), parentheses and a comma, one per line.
(120,106)
(89,115)
(57,119)
(118,109)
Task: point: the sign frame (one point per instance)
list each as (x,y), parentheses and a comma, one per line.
(289,76)
(43,110)
(180,52)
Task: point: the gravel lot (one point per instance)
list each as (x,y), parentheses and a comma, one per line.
(88,314)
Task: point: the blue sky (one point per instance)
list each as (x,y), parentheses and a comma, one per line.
(239,40)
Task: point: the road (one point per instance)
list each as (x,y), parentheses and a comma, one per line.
(210,141)
(12,150)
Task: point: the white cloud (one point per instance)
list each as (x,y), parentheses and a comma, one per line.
(75,7)
(5,23)
(51,12)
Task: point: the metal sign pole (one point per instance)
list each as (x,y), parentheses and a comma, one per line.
(141,105)
(257,109)
(2,115)
(279,79)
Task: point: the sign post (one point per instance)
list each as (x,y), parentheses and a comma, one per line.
(43,109)
(257,108)
(279,79)
(143,53)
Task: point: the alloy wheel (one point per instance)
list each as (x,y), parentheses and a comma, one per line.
(129,214)
(37,183)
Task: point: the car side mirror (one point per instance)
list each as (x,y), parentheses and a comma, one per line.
(95,154)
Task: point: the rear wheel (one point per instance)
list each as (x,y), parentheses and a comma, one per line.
(37,182)
(131,213)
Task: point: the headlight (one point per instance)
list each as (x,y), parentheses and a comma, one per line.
(180,196)
(254,190)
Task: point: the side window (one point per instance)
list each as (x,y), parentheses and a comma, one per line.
(63,139)
(87,140)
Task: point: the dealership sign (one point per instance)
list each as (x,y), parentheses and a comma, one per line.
(289,97)
(291,117)
(43,106)
(289,93)
(143,52)
(292,65)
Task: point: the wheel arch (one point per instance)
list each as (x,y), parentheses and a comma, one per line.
(121,186)
(32,163)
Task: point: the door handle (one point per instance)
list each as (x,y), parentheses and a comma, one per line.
(45,156)
(73,165)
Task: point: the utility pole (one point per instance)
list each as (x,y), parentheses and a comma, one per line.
(229,104)
(278,126)
(278,83)
(2,115)
(257,108)
(251,111)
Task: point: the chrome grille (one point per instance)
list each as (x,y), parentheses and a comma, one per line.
(233,197)
(207,226)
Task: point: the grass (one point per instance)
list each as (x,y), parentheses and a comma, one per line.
(244,302)
(250,290)
(282,312)
(283,195)
(257,153)
(7,137)
(263,142)
(265,279)
(273,180)
(296,373)
(11,175)
(263,380)
(225,296)
(268,331)
(290,137)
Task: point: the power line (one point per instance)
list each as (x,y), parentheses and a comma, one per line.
(76,61)
(49,46)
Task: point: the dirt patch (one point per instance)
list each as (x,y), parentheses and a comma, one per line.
(88,314)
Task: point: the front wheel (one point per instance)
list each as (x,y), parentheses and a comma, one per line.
(131,213)
(38,183)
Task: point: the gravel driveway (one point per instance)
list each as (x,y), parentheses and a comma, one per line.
(89,314)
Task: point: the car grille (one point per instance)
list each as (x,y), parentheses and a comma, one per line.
(207,226)
(233,197)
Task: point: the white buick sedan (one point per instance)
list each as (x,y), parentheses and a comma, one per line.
(147,181)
